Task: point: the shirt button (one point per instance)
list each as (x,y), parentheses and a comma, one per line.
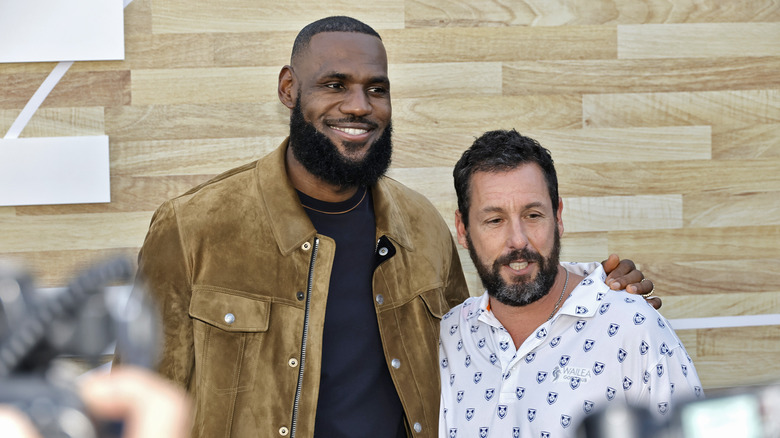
(380,299)
(293,362)
(417,427)
(300,296)
(230,318)
(283,431)
(383,251)
(395,363)
(306,246)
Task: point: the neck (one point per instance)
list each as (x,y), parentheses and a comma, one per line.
(522,321)
(311,185)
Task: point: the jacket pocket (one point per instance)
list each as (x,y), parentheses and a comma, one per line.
(227,328)
(435,302)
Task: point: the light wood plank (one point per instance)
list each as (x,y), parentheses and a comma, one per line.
(168,122)
(651,178)
(203,86)
(73,232)
(272,49)
(182,16)
(698,40)
(698,244)
(751,142)
(138,17)
(611,213)
(106,88)
(475,115)
(736,276)
(639,76)
(592,145)
(585,247)
(723,108)
(187,157)
(738,356)
(500,44)
(128,194)
(731,210)
(620,145)
(58,122)
(445,79)
(463,13)
(737,303)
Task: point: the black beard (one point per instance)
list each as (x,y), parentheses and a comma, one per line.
(321,158)
(525,290)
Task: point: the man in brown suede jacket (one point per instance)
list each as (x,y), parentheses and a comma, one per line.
(307,282)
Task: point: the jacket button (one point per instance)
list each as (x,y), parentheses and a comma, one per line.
(299,295)
(283,431)
(395,363)
(293,362)
(383,251)
(306,246)
(380,299)
(417,427)
(230,318)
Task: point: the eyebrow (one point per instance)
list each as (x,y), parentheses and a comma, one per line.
(382,79)
(493,209)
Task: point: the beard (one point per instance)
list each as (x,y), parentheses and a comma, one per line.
(318,155)
(524,290)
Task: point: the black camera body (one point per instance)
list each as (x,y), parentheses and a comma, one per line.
(43,333)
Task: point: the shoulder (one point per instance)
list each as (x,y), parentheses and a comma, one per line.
(226,181)
(411,199)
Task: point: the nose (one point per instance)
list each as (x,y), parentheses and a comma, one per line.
(516,235)
(356,102)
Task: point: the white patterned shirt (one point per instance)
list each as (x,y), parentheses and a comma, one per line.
(602,347)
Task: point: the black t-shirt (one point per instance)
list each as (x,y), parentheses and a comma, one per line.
(357,397)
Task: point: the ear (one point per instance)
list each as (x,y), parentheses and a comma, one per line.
(286,89)
(559,217)
(461,229)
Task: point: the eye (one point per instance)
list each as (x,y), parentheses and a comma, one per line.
(378,90)
(334,85)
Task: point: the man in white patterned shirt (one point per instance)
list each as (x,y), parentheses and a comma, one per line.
(544,346)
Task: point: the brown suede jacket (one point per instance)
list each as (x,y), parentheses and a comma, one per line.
(241,279)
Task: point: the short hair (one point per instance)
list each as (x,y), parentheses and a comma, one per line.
(337,23)
(501,151)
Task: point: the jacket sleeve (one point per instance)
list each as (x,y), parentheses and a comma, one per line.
(164,273)
(456,290)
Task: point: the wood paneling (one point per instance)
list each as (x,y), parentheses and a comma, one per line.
(698,40)
(470,13)
(663,118)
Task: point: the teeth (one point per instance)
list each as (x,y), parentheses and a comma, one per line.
(352,131)
(518,265)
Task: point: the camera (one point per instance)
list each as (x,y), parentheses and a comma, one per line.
(44,333)
(745,412)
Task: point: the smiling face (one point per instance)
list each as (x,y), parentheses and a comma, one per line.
(339,94)
(513,235)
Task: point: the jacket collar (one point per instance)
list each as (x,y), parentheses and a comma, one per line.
(290,224)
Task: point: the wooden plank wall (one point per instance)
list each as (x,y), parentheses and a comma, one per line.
(663,117)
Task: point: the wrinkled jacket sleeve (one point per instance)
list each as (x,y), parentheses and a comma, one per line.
(163,272)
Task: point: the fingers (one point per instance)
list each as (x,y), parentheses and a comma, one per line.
(611,263)
(624,275)
(14,424)
(641,287)
(149,406)
(655,302)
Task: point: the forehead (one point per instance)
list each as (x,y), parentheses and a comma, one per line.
(514,188)
(345,53)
